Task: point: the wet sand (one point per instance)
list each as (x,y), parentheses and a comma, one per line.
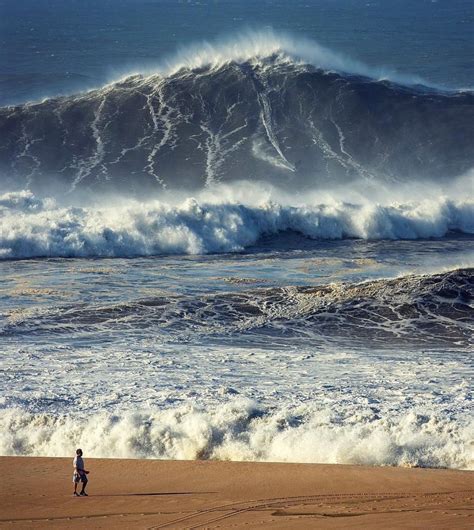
(37,493)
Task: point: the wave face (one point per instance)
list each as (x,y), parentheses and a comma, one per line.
(34,227)
(269,118)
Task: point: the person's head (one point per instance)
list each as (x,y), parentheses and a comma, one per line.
(79,452)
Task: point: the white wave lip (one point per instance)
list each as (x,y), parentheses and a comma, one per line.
(31,227)
(238,430)
(255,45)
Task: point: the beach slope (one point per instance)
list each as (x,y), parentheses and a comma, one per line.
(37,493)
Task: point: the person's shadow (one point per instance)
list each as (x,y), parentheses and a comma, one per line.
(156,493)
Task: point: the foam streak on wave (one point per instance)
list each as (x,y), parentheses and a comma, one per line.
(237,111)
(32,227)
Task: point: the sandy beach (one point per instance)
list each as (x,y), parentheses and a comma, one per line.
(37,493)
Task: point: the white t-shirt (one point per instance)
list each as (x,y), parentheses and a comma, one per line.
(78,462)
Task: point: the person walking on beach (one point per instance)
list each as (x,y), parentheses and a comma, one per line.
(80,474)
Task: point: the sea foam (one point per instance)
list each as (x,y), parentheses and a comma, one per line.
(32,227)
(240,430)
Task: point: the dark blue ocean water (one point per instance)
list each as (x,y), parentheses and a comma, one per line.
(57,46)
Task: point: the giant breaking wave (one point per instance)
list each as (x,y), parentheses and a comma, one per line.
(262,108)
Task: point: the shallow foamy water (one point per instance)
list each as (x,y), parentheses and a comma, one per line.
(278,353)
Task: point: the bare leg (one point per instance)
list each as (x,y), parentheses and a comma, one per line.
(75,487)
(84,484)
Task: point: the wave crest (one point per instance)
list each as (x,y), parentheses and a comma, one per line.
(256,46)
(35,228)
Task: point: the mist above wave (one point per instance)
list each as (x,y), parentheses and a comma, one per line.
(255,45)
(214,222)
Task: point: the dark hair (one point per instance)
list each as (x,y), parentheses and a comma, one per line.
(78,451)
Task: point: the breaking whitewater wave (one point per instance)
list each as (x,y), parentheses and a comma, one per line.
(32,227)
(240,430)
(274,110)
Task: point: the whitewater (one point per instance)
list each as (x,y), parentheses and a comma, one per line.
(258,250)
(229,218)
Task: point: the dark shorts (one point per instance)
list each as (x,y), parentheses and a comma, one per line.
(79,477)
